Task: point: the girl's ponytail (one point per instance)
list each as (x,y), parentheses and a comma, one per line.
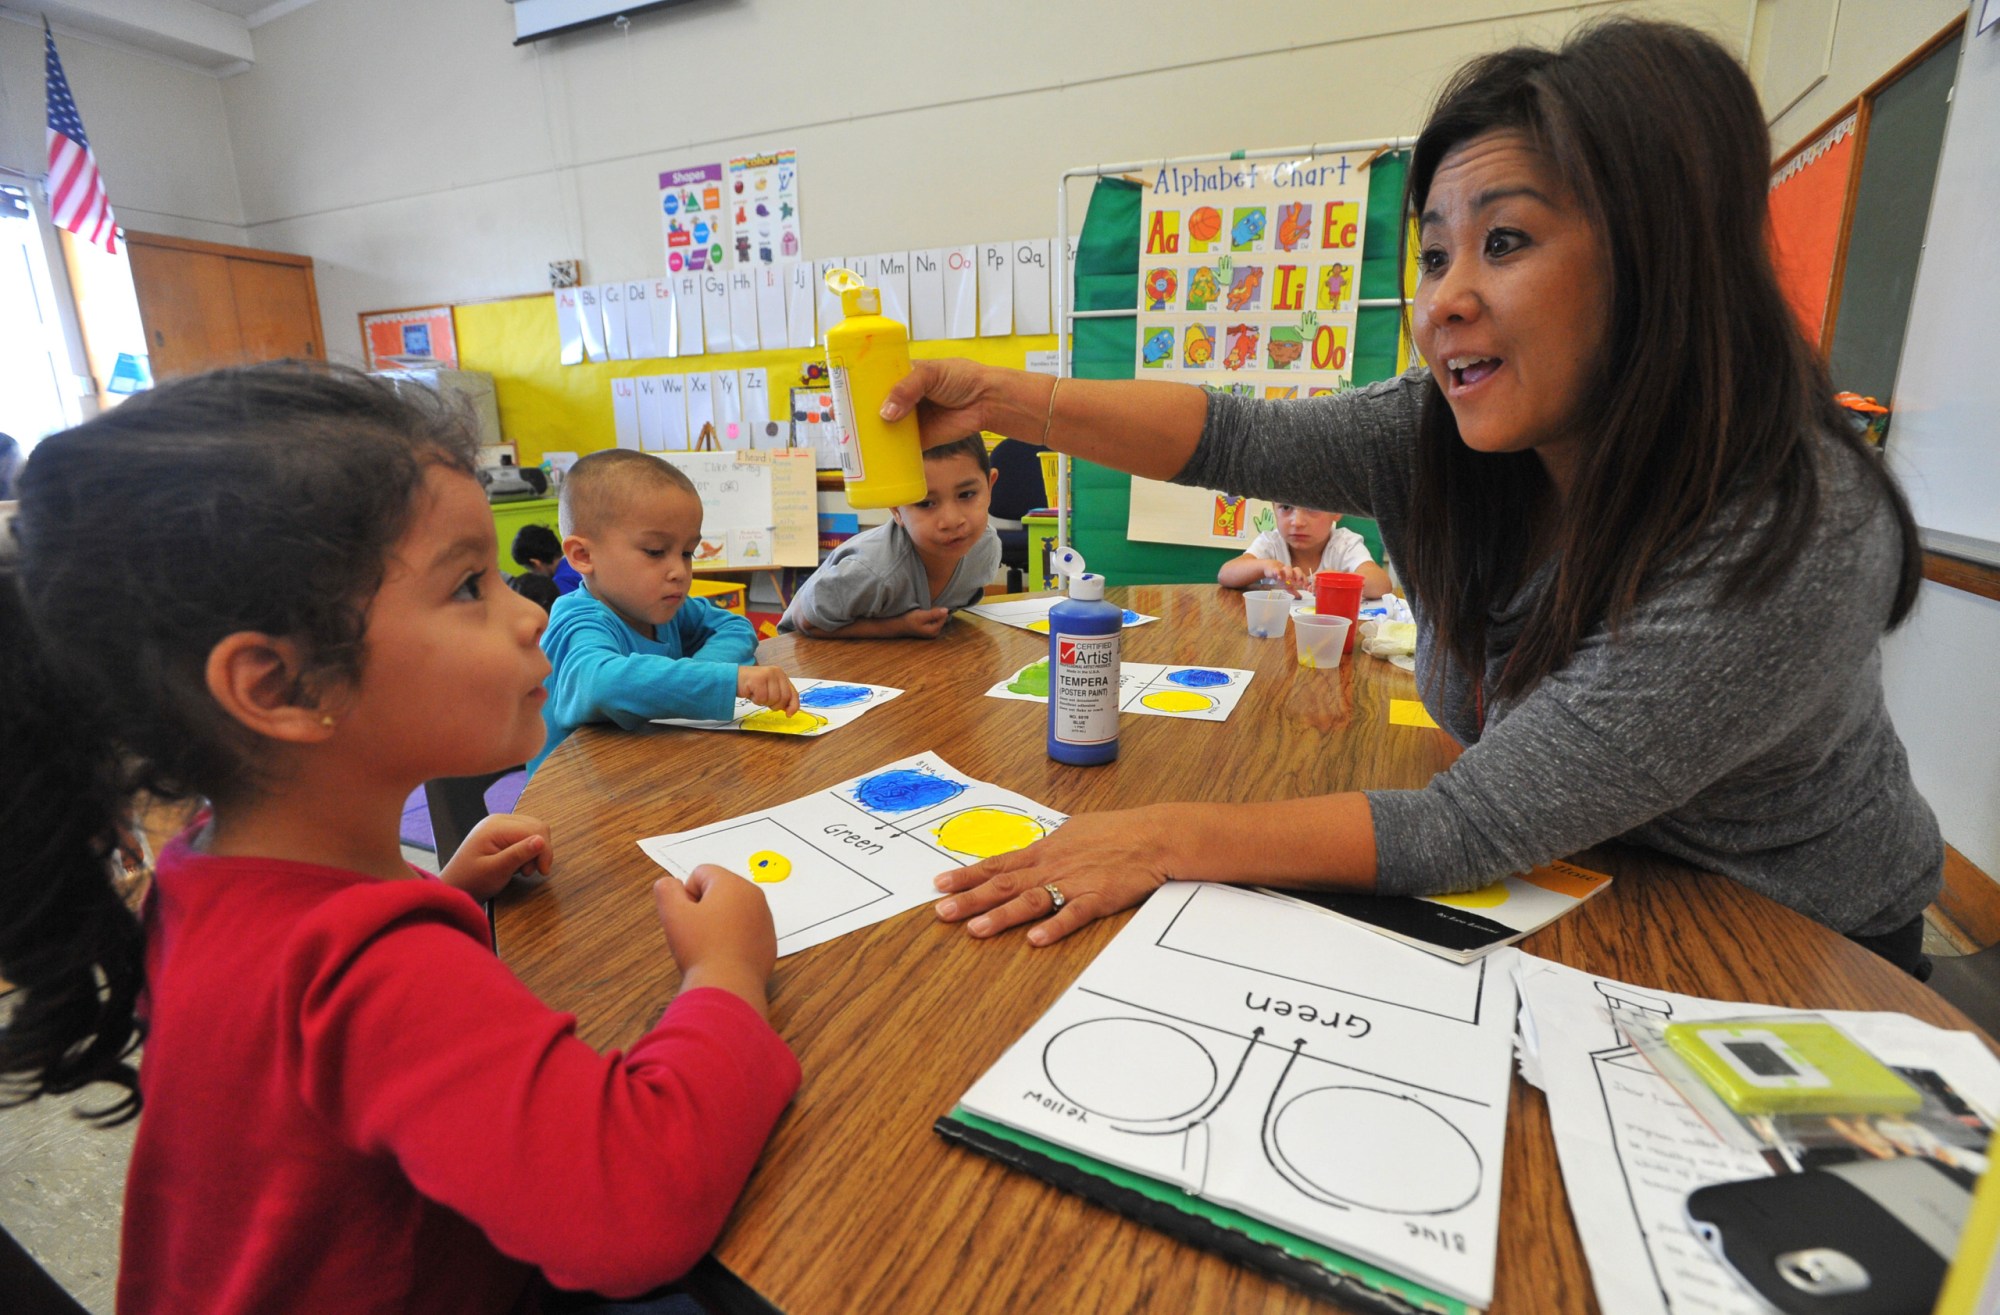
(69,944)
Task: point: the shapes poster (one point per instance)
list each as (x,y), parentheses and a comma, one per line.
(763,205)
(864,850)
(1147,688)
(1249,282)
(693,218)
(824,705)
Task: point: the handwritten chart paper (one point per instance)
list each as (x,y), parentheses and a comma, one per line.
(1282,1063)
(824,705)
(864,850)
(1190,693)
(1632,1149)
(1033,613)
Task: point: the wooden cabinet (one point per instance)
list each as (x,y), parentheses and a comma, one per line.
(205,305)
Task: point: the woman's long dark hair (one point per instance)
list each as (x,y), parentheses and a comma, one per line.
(1708,403)
(262,499)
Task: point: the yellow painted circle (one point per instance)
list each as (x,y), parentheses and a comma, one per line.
(768,866)
(984,832)
(1486,897)
(770,719)
(1039,627)
(1177,700)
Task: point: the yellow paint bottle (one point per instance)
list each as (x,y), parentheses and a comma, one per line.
(867,354)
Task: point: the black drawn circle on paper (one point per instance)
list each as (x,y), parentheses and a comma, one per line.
(1377,1150)
(1133,1069)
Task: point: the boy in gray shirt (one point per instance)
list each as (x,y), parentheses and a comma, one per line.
(903,578)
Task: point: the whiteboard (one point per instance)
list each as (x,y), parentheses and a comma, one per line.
(1944,440)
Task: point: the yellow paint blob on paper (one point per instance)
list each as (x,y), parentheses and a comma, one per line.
(1039,627)
(1486,897)
(1177,700)
(1409,712)
(984,832)
(768,866)
(777,723)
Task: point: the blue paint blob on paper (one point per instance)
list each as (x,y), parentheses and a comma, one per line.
(1198,678)
(1132,618)
(834,696)
(902,791)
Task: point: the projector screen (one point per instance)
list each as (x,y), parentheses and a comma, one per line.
(535,19)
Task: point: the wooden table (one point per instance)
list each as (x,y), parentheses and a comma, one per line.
(857,1205)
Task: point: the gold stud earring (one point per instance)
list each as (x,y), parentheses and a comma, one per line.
(326,720)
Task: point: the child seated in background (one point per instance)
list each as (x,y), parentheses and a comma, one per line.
(904,577)
(1305,543)
(630,645)
(538,551)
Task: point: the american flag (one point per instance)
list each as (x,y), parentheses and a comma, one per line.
(76,189)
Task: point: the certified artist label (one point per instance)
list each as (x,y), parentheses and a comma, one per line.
(1084,692)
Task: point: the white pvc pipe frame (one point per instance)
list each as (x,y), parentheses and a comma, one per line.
(1066,318)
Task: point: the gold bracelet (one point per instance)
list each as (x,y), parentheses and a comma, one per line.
(1050,419)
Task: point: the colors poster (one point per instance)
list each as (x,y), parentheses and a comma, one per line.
(763,204)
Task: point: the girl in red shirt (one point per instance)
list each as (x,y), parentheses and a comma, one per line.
(273,589)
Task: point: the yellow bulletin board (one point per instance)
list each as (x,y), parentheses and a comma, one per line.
(546,406)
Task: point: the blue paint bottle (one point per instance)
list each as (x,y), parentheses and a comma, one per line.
(1084,631)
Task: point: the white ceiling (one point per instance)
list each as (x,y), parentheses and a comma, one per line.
(211,35)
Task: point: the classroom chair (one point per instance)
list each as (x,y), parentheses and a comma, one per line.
(456,804)
(27,1286)
(1018,491)
(1971,982)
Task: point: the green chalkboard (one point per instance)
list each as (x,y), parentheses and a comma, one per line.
(1892,204)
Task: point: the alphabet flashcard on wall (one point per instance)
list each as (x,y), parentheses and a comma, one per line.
(1256,1053)
(625,413)
(743,311)
(673,413)
(1033,613)
(569,329)
(687,314)
(864,850)
(927,294)
(729,412)
(1031,286)
(715,311)
(800,327)
(996,289)
(666,319)
(617,341)
(961,292)
(772,288)
(890,272)
(590,322)
(652,423)
(1146,688)
(639,319)
(826,298)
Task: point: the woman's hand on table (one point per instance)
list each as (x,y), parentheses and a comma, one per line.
(1101,862)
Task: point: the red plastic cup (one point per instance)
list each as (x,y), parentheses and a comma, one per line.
(1338,593)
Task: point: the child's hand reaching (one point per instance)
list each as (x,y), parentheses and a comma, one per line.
(767,686)
(502,846)
(926,622)
(1288,576)
(718,927)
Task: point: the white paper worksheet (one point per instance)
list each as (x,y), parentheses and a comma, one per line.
(1147,688)
(1033,613)
(1312,1074)
(856,853)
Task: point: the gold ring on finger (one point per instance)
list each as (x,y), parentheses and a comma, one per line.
(1056,900)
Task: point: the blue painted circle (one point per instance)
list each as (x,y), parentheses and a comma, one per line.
(833,696)
(1198,678)
(1131,618)
(901,791)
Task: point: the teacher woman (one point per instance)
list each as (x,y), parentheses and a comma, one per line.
(1650,560)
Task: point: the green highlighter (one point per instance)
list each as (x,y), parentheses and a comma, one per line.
(1770,1066)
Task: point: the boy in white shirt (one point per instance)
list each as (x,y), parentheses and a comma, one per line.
(1305,543)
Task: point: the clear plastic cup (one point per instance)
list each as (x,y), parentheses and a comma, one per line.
(1266,610)
(1321,639)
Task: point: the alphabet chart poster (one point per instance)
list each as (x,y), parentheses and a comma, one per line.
(693,218)
(864,850)
(1304,1071)
(763,203)
(824,705)
(1249,281)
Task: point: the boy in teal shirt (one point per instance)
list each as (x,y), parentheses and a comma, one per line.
(630,645)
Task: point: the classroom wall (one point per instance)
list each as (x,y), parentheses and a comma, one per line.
(418,157)
(157,128)
(1790,51)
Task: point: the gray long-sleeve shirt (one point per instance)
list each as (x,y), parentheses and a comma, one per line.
(1746,739)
